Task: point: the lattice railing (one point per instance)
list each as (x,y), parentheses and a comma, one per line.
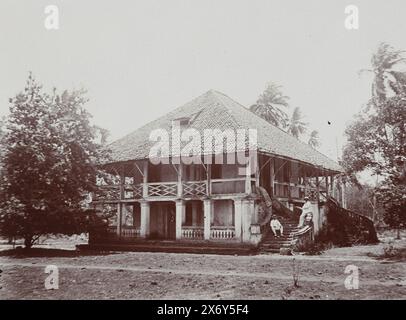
(130,232)
(194,188)
(222,233)
(137,191)
(190,232)
(168,189)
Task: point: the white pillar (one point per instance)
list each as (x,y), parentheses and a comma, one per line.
(208,205)
(344,205)
(237,218)
(272,176)
(145,180)
(179,184)
(248,207)
(119,218)
(180,211)
(145,213)
(248,169)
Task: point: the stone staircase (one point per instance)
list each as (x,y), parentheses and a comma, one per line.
(271,244)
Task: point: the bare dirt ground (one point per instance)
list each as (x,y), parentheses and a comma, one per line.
(138,275)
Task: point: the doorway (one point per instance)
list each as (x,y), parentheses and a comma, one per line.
(163,220)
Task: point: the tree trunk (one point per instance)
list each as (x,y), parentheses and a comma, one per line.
(28,242)
(398,234)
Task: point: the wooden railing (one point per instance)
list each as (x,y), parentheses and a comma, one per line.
(130,232)
(194,188)
(192,232)
(170,189)
(127,232)
(162,189)
(222,233)
(133,191)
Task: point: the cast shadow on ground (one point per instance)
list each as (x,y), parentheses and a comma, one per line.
(52,253)
(396,255)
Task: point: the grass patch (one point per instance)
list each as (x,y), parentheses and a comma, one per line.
(390,252)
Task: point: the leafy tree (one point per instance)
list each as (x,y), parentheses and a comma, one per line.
(2,144)
(314,139)
(50,164)
(383,66)
(296,125)
(377,137)
(360,199)
(271,104)
(393,198)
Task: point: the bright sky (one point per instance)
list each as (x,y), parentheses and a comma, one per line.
(141,59)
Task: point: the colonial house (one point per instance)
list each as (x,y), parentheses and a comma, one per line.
(226,193)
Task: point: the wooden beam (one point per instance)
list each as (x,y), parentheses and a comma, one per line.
(208,177)
(248,189)
(257,171)
(119,218)
(139,169)
(290,180)
(122,182)
(145,180)
(179,185)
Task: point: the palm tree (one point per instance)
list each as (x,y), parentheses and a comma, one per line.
(314,140)
(296,126)
(383,64)
(269,103)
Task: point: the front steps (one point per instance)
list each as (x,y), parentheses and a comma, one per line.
(272,244)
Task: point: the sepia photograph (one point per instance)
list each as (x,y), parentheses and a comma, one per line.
(203,152)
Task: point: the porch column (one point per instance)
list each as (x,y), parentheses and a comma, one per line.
(180,212)
(257,171)
(344,205)
(208,205)
(272,176)
(248,207)
(208,176)
(119,218)
(179,184)
(120,205)
(331,185)
(237,217)
(145,180)
(145,213)
(248,168)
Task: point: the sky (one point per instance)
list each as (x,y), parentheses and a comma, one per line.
(141,59)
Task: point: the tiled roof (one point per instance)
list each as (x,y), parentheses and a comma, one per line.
(214,110)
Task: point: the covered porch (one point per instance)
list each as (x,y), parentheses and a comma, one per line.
(219,220)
